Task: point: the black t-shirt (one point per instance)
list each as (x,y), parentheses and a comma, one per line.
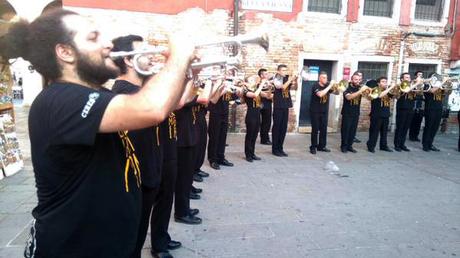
(406,101)
(185,126)
(168,138)
(221,106)
(380,107)
(266,103)
(434,101)
(319,104)
(351,107)
(282,98)
(253,105)
(88,205)
(146,143)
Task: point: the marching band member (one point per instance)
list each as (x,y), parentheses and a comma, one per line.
(360,74)
(404,114)
(266,109)
(380,116)
(433,114)
(89,201)
(417,118)
(252,96)
(350,113)
(281,104)
(319,109)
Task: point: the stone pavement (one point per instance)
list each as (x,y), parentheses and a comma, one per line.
(377,205)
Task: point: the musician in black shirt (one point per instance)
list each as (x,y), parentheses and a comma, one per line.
(419,112)
(433,114)
(380,116)
(350,113)
(404,114)
(319,109)
(252,97)
(281,104)
(266,108)
(86,169)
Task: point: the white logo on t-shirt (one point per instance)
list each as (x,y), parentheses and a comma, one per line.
(89,104)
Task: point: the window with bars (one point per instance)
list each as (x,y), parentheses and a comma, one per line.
(373,70)
(325,6)
(382,8)
(430,10)
(427,69)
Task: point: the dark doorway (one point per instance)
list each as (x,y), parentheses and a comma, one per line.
(313,67)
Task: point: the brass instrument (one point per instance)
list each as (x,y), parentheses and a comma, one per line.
(375,93)
(143,58)
(340,86)
(404,87)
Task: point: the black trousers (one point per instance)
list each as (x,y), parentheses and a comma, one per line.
(266,123)
(148,199)
(378,125)
(202,140)
(416,124)
(318,124)
(403,122)
(159,222)
(432,122)
(217,130)
(185,166)
(279,129)
(348,130)
(252,129)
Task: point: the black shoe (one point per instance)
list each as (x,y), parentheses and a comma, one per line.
(386,149)
(404,148)
(194,196)
(196,190)
(215,165)
(254,157)
(351,149)
(164,254)
(202,173)
(249,159)
(266,143)
(226,145)
(173,245)
(426,149)
(398,149)
(277,153)
(191,220)
(324,149)
(414,139)
(313,151)
(284,153)
(197,178)
(434,148)
(192,212)
(370,150)
(356,140)
(226,163)
(343,150)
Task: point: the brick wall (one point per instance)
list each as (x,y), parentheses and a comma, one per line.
(289,40)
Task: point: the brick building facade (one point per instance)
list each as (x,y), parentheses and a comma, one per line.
(336,36)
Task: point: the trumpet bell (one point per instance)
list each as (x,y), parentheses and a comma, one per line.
(404,86)
(341,86)
(375,93)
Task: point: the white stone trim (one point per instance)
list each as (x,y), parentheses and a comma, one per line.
(394,19)
(343,11)
(441,23)
(437,62)
(382,59)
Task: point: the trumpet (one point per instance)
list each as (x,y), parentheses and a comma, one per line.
(340,86)
(143,58)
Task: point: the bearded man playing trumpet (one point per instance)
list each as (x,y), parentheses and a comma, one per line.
(380,115)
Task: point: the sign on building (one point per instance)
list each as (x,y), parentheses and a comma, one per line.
(267,5)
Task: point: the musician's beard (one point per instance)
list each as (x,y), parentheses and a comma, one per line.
(92,72)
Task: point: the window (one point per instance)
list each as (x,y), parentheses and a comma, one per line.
(324,6)
(382,8)
(430,10)
(427,69)
(372,70)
